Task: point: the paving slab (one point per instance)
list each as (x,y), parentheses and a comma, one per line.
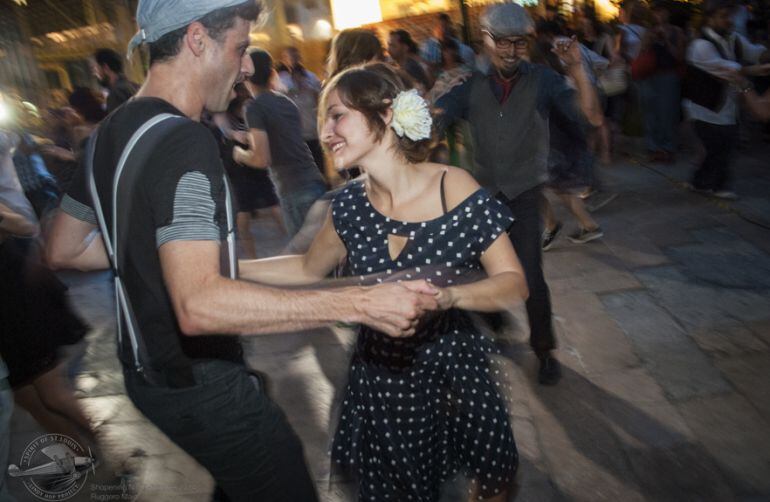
(750,375)
(585,462)
(593,269)
(701,305)
(667,352)
(638,411)
(736,436)
(724,260)
(728,341)
(761,329)
(683,472)
(586,328)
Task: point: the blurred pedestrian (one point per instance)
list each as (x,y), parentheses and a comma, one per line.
(274,135)
(89,107)
(570,162)
(714,60)
(303,87)
(108,70)
(254,191)
(403,50)
(36,317)
(444,29)
(661,84)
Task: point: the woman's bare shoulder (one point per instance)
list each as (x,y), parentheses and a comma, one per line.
(459,184)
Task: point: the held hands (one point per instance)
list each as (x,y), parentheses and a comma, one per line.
(445,298)
(397,308)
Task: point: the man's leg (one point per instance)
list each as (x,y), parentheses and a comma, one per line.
(704,176)
(234,430)
(648,99)
(723,175)
(525,234)
(670,98)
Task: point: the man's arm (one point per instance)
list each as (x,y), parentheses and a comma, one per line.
(753,53)
(452,106)
(258,154)
(74,243)
(206,303)
(703,55)
(587,100)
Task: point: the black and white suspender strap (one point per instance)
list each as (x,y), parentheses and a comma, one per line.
(124,310)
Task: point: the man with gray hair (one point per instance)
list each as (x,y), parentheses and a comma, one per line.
(154,185)
(508,109)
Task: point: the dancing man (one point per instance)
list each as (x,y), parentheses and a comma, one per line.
(508,109)
(176,276)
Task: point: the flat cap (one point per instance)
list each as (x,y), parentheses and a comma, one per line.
(507,19)
(159,17)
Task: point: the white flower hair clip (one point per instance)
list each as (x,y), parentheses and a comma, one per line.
(411,116)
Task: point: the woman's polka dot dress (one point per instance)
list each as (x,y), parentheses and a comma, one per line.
(419,410)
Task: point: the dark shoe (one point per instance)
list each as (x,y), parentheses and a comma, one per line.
(550,370)
(550,235)
(584,235)
(599,200)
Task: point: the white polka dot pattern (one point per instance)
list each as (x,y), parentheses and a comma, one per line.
(418,410)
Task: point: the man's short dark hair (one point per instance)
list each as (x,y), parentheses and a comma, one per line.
(405,38)
(216,23)
(263,67)
(110,59)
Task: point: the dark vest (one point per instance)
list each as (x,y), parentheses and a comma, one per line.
(511,140)
(703,88)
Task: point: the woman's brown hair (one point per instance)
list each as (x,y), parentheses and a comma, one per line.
(371,89)
(353,47)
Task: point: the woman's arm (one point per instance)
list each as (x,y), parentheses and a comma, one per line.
(502,290)
(505,285)
(325,253)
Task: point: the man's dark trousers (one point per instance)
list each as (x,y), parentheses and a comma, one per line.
(719,141)
(233,429)
(526,235)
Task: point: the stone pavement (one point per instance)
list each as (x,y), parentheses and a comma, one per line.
(664,329)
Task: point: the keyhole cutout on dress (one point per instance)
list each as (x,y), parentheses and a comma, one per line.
(396,245)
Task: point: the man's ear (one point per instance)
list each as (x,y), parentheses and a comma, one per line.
(196,37)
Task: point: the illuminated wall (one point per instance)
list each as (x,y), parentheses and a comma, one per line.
(394,9)
(354,13)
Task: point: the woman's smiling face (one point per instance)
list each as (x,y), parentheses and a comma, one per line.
(345,133)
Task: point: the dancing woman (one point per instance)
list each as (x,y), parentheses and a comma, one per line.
(416,410)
